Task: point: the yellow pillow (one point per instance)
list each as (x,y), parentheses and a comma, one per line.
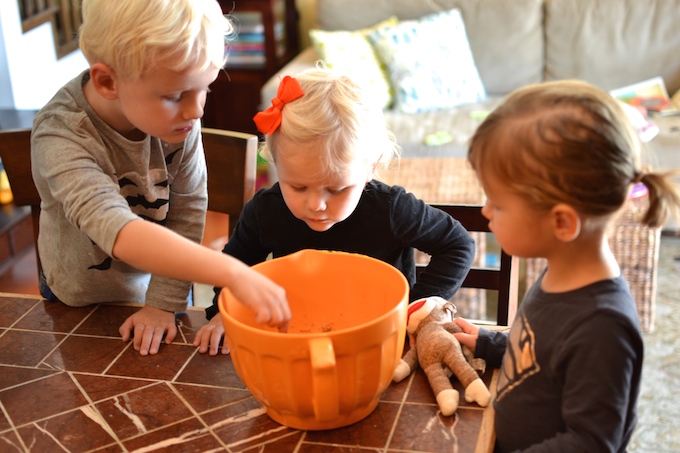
(352,53)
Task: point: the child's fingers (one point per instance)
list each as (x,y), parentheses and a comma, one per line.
(156,338)
(465,325)
(276,316)
(171,333)
(215,339)
(283,328)
(280,316)
(469,340)
(209,337)
(263,316)
(125,329)
(202,340)
(138,338)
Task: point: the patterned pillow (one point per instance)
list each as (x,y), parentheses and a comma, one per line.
(350,52)
(430,62)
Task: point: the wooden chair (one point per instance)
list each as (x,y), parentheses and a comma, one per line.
(15,152)
(231,159)
(503,279)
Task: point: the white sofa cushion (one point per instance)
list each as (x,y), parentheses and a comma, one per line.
(502,33)
(613,43)
(429,62)
(412,129)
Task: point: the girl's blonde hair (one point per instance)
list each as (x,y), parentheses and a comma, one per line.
(135,37)
(334,114)
(568,142)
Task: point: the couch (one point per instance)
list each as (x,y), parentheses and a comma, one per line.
(610,43)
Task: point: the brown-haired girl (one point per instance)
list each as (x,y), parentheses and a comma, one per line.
(558,161)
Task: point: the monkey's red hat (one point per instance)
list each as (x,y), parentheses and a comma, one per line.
(418,310)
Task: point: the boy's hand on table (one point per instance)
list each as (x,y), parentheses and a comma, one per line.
(209,336)
(148,326)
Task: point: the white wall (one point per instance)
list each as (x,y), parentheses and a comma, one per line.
(6,97)
(30,73)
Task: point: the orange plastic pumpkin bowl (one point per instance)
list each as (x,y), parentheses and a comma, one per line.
(344,342)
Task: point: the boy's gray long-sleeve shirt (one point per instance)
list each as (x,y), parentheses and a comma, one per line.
(92,181)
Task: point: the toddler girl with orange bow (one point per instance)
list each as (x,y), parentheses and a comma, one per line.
(327,143)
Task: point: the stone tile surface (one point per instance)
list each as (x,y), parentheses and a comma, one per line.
(68,383)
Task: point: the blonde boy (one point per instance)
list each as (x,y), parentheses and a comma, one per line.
(118,160)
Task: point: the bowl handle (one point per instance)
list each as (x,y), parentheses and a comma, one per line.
(324,379)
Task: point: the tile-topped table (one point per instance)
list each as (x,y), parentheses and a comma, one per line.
(69,384)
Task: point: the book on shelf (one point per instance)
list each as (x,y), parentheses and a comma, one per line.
(238,46)
(650,96)
(245,59)
(248,22)
(243,56)
(247,48)
(250,29)
(255,33)
(249,38)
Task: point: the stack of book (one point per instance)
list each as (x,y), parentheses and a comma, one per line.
(248,48)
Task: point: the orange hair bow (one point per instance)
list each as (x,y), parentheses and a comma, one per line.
(269,120)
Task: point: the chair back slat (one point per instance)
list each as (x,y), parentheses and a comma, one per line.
(503,279)
(15,152)
(231,159)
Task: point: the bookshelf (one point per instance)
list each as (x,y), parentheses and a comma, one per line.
(267,39)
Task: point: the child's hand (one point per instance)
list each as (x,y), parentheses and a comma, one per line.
(148,326)
(209,336)
(468,337)
(264,297)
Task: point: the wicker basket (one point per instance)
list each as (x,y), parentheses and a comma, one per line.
(636,249)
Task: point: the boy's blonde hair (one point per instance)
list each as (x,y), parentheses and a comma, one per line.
(568,142)
(135,37)
(335,115)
